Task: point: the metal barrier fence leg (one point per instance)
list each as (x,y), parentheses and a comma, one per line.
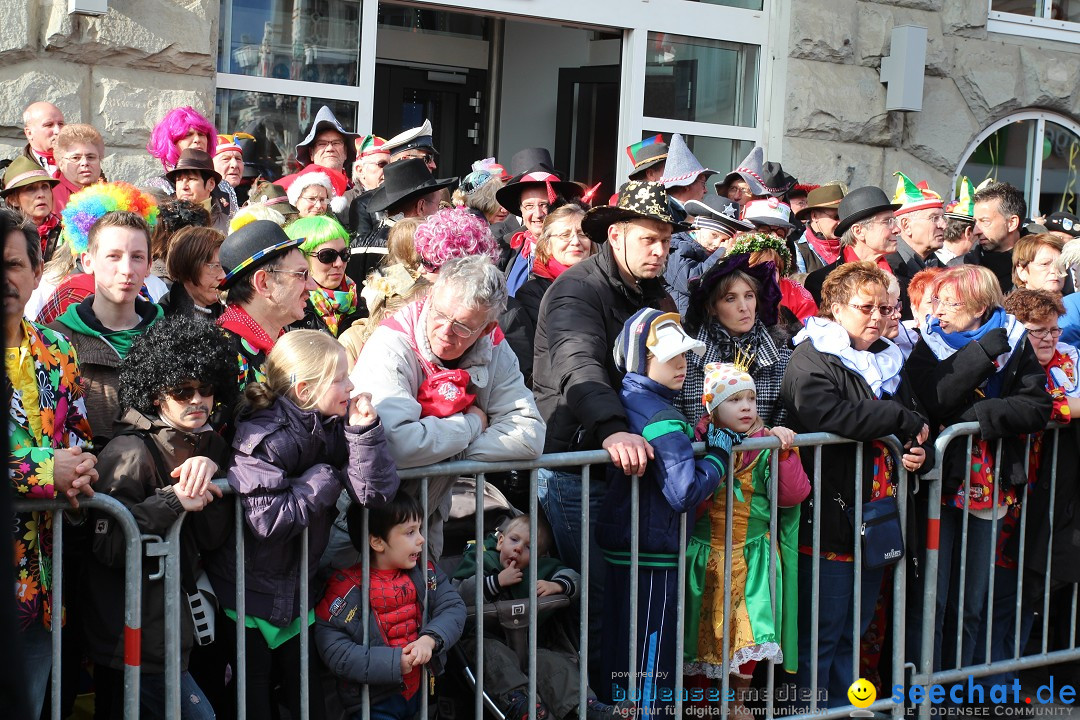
(425,502)
(774,561)
(57,600)
(305,630)
(930,570)
(478,598)
(172,620)
(586,569)
(815,573)
(534,600)
(365,607)
(725,670)
(241,617)
(680,617)
(635,559)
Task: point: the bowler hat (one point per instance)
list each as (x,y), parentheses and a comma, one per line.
(826,197)
(195,159)
(405,180)
(251,247)
(860,204)
(637,201)
(22,172)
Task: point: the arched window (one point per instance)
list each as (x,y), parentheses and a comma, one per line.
(1036,151)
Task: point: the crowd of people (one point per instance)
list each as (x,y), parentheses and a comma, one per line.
(307,336)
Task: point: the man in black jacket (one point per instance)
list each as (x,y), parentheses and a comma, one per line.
(574,374)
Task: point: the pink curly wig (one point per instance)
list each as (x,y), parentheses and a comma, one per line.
(174,126)
(453,233)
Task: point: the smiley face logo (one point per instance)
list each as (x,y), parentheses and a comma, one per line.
(862,693)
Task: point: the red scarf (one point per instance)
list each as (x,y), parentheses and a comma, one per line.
(827,250)
(45,228)
(550,270)
(524,241)
(47,156)
(850,256)
(236,320)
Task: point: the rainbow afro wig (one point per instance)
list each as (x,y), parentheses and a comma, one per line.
(89,205)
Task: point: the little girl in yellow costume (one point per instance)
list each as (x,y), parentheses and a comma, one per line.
(754,633)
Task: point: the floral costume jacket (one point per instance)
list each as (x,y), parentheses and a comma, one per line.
(30,462)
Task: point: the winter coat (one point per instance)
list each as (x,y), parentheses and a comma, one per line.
(574,374)
(688,259)
(905,263)
(674,481)
(178,302)
(129,471)
(816,279)
(518,321)
(806,258)
(948,390)
(288,468)
(62,411)
(822,395)
(389,369)
(339,634)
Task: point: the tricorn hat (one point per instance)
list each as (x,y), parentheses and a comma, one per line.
(22,172)
(405,180)
(195,159)
(637,201)
(326,120)
(826,197)
(719,209)
(251,247)
(860,204)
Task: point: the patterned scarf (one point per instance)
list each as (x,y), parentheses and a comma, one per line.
(334,305)
(827,250)
(236,320)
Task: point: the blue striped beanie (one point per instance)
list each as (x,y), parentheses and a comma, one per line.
(630,349)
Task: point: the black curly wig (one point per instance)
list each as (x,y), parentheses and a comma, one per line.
(175,350)
(172,217)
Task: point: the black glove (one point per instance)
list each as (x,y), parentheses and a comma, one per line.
(995,342)
(720,441)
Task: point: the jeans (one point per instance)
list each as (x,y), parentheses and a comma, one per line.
(836,651)
(393,708)
(977,566)
(37,664)
(109,700)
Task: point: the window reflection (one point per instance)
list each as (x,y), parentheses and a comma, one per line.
(311,40)
(278,122)
(701,80)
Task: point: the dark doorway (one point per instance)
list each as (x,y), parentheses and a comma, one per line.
(587,120)
(453,100)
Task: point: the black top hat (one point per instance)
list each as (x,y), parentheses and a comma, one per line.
(509,195)
(860,204)
(637,201)
(405,180)
(195,159)
(720,209)
(251,247)
(530,159)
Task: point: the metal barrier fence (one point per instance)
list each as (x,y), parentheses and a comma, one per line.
(929,668)
(586,461)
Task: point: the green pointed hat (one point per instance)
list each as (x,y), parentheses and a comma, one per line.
(963,207)
(911,196)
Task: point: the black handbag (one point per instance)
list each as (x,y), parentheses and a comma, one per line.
(881,534)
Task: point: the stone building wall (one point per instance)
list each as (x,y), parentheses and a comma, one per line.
(835,119)
(120,72)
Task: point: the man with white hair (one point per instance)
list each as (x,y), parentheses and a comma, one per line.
(446,384)
(42,122)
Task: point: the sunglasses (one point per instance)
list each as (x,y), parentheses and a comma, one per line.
(186,393)
(327,256)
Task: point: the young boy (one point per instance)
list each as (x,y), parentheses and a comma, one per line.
(651,349)
(506,563)
(399,640)
(160,465)
(103,326)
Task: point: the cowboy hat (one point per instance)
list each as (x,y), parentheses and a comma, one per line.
(405,180)
(826,197)
(22,172)
(637,201)
(197,160)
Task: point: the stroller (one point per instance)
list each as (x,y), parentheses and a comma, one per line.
(456,689)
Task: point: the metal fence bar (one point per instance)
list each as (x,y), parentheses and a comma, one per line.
(132,591)
(680,617)
(583,619)
(995,530)
(1019,588)
(305,628)
(1050,547)
(774,561)
(856,612)
(815,574)
(478,595)
(635,559)
(172,619)
(241,616)
(725,671)
(425,502)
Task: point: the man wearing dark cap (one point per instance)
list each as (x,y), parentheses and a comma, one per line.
(408,190)
(195,178)
(268,282)
(414,143)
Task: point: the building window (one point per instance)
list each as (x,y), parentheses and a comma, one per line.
(1046,19)
(1038,152)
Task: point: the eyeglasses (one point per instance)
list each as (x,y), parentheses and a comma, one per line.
(327,256)
(460,329)
(213,266)
(1044,333)
(935,219)
(535,207)
(936,301)
(883,310)
(321,200)
(569,233)
(377,163)
(186,393)
(888,222)
(302,274)
(324,144)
